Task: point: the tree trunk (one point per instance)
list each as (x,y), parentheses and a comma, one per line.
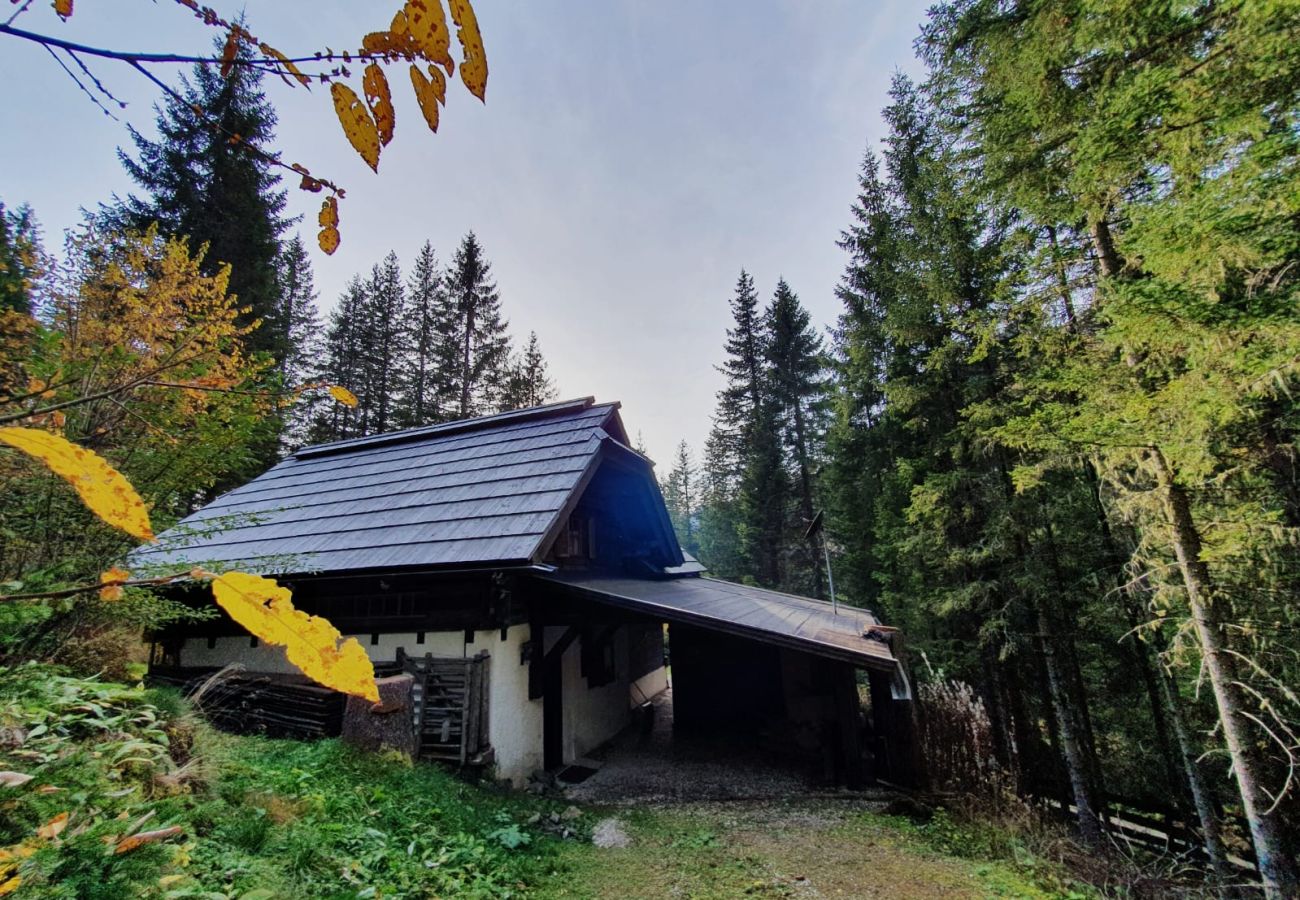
(1201,798)
(1103,242)
(1076,766)
(806,497)
(1277,871)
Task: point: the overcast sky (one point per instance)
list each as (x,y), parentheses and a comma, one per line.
(632,157)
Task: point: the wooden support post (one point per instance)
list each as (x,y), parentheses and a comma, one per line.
(848,713)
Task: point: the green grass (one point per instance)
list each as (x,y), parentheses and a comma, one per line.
(259,818)
(800,848)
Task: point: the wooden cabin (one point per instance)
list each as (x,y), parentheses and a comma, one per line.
(523,568)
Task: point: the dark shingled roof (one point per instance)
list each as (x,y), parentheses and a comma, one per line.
(852,635)
(467,493)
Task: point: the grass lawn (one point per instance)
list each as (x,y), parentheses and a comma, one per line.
(798,849)
(111,792)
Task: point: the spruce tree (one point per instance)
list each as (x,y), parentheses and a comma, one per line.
(200,183)
(425,384)
(681,496)
(528,383)
(382,339)
(796,373)
(20,258)
(479,352)
(300,319)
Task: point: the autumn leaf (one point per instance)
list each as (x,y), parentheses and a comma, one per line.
(473,68)
(283,60)
(343,395)
(428,29)
(380,101)
(14,779)
(9,885)
(427,93)
(63,8)
(357,124)
(328,238)
(127,844)
(101,487)
(53,828)
(111,580)
(311,643)
(228,52)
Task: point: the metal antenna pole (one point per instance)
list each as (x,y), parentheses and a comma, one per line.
(830,579)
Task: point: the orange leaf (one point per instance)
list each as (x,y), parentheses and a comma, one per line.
(53,828)
(328,219)
(101,487)
(112,583)
(428,28)
(283,60)
(311,643)
(63,8)
(228,53)
(357,124)
(473,68)
(343,395)
(127,844)
(427,93)
(380,101)
(9,885)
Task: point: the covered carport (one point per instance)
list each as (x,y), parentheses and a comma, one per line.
(752,662)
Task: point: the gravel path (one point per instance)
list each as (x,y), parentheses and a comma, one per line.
(658,768)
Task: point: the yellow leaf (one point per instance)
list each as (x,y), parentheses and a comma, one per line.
(112,583)
(283,60)
(228,53)
(328,238)
(53,828)
(427,24)
(311,643)
(343,395)
(63,8)
(426,92)
(357,124)
(473,68)
(101,487)
(380,101)
(127,844)
(10,885)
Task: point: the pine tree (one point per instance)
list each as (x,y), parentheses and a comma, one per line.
(382,339)
(426,386)
(200,184)
(20,258)
(681,496)
(796,373)
(528,383)
(343,364)
(741,398)
(481,345)
(300,320)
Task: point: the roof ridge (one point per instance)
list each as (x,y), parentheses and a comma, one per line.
(455,427)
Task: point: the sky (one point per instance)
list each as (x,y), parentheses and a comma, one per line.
(631,158)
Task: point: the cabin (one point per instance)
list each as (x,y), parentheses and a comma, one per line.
(523,568)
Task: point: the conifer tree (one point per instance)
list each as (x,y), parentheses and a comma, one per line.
(480,350)
(199,184)
(426,385)
(299,318)
(681,496)
(528,383)
(20,258)
(383,341)
(796,373)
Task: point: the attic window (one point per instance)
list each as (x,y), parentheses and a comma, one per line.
(574,542)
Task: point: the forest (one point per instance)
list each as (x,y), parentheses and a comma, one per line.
(1053,430)
(1052,436)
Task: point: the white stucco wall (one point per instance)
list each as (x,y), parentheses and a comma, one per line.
(592,716)
(514,721)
